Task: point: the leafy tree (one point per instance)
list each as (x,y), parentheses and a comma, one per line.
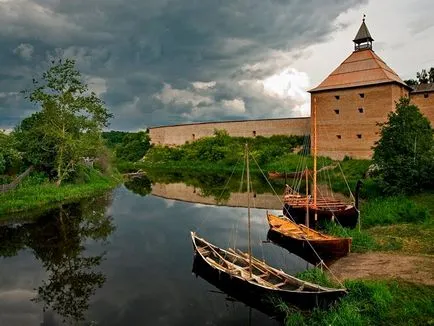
(133,146)
(10,158)
(422,77)
(71,116)
(411,82)
(37,147)
(405,151)
(113,138)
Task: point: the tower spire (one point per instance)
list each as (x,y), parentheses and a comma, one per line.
(363,39)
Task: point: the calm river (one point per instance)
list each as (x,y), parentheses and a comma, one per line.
(126,258)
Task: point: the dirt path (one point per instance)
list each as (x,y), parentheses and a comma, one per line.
(418,269)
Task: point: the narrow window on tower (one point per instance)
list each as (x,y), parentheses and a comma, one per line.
(254,133)
(425,95)
(359,136)
(337,111)
(337,97)
(362,95)
(338,136)
(360,110)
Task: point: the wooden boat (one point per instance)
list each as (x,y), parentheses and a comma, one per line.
(324,210)
(299,238)
(296,206)
(260,279)
(255,276)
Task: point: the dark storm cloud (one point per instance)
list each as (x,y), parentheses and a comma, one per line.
(137,47)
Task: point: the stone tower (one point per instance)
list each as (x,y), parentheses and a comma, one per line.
(353,99)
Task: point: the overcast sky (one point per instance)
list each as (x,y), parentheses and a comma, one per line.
(157,62)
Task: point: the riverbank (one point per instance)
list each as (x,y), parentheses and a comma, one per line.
(34,196)
(372,302)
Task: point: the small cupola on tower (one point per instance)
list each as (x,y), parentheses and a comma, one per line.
(363,39)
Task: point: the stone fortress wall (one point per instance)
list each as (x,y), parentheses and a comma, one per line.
(180,134)
(347,118)
(425,103)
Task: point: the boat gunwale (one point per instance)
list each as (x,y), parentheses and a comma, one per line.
(324,237)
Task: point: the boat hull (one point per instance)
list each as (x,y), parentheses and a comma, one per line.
(306,242)
(347,217)
(327,252)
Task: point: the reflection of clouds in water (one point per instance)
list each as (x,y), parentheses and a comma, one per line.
(156,252)
(148,265)
(19,276)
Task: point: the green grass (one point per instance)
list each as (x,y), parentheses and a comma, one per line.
(30,196)
(371,303)
(411,238)
(393,210)
(392,223)
(317,276)
(364,241)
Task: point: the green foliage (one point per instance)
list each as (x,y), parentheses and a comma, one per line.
(317,276)
(113,138)
(70,121)
(392,210)
(27,197)
(133,146)
(405,152)
(223,150)
(422,77)
(362,241)
(425,76)
(34,179)
(37,147)
(10,158)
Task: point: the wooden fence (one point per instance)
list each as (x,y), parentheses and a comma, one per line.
(16,182)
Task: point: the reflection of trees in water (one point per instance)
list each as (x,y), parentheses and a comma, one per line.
(139,185)
(57,239)
(219,185)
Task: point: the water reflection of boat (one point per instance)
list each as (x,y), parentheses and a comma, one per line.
(309,244)
(201,269)
(253,276)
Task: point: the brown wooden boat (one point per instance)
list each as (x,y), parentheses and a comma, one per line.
(256,277)
(325,209)
(298,238)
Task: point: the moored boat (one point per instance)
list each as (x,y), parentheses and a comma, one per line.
(299,238)
(260,279)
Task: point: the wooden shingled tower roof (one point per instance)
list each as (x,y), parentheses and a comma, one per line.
(363,67)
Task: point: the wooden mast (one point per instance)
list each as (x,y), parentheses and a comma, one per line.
(248,208)
(314,152)
(307,197)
